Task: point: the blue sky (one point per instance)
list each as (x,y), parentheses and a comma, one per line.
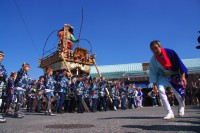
(119,30)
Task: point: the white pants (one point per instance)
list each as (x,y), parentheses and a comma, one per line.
(165,101)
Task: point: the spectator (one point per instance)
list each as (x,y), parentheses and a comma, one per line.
(153,97)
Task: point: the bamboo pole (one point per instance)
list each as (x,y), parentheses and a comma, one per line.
(96,67)
(106,89)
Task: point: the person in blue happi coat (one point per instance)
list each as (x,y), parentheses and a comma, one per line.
(62,90)
(72,93)
(123,96)
(40,93)
(114,95)
(94,93)
(86,93)
(50,84)
(131,96)
(3,76)
(102,95)
(10,93)
(79,93)
(22,84)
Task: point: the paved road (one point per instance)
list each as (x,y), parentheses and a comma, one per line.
(147,119)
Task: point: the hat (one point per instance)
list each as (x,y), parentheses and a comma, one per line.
(68,25)
(25,64)
(1,53)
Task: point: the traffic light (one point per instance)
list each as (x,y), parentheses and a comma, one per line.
(198,47)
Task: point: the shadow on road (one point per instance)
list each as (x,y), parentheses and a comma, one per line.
(144,117)
(147,117)
(191,122)
(165,127)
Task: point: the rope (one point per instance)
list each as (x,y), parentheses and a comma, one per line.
(79,36)
(43,52)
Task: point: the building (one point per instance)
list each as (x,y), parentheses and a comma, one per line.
(138,73)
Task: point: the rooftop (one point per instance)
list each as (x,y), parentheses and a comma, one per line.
(120,70)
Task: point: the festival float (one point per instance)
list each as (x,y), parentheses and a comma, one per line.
(77,61)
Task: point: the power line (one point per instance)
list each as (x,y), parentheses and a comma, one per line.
(27,29)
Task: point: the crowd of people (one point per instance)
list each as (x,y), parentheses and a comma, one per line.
(64,92)
(193,94)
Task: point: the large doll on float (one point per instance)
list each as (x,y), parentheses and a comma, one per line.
(66,39)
